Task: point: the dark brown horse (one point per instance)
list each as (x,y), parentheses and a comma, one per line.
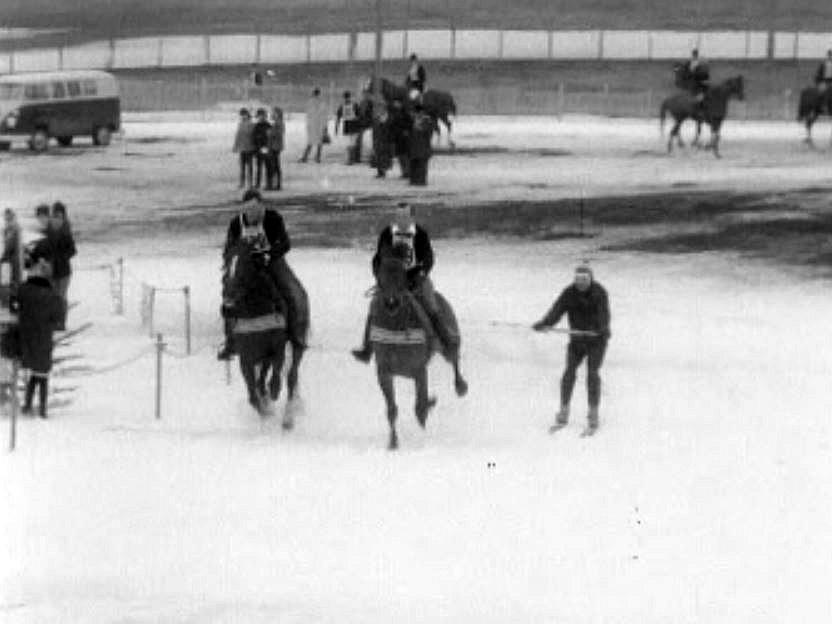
(440,105)
(712,111)
(255,286)
(813,103)
(404,342)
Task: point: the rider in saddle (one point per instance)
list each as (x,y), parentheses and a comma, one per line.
(695,73)
(419,265)
(823,75)
(253,221)
(415,77)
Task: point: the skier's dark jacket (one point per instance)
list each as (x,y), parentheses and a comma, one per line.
(588,310)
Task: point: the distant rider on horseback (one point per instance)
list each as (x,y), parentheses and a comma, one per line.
(419,265)
(253,222)
(823,75)
(696,74)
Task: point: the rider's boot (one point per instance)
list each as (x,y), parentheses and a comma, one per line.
(449,340)
(227,351)
(365,352)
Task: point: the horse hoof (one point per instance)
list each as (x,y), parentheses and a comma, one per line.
(461,387)
(393,445)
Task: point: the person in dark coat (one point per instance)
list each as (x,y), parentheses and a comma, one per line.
(260,141)
(39,311)
(253,220)
(823,74)
(419,266)
(401,126)
(382,145)
(244,146)
(277,143)
(63,250)
(12,250)
(348,113)
(420,148)
(586,305)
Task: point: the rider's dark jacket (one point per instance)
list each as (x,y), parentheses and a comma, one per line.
(273,227)
(422,251)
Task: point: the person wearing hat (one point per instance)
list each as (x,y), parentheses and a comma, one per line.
(277,142)
(244,146)
(586,305)
(421,134)
(253,220)
(415,78)
(260,141)
(12,250)
(419,265)
(382,140)
(39,310)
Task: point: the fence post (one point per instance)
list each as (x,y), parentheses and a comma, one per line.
(152,307)
(561,100)
(187,291)
(160,347)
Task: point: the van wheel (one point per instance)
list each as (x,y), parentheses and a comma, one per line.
(39,141)
(101,136)
(65,141)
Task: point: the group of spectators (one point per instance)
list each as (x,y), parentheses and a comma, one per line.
(259,144)
(40,299)
(401,130)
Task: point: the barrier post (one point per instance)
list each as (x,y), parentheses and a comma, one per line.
(160,347)
(152,307)
(187,291)
(561,100)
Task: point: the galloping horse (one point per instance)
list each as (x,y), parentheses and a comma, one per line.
(714,108)
(439,105)
(813,103)
(403,340)
(260,333)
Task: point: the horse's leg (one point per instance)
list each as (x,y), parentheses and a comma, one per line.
(715,129)
(447,123)
(674,134)
(695,142)
(247,370)
(292,375)
(424,403)
(385,382)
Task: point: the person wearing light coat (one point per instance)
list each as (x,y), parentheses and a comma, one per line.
(316,122)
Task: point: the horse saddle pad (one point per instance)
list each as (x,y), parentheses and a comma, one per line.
(415,336)
(258,324)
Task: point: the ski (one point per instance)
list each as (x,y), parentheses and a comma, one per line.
(67,358)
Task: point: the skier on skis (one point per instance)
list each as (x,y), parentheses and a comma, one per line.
(586,305)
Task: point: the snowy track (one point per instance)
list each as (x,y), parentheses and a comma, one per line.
(704,497)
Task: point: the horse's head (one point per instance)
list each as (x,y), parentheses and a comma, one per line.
(736,87)
(246,264)
(391,277)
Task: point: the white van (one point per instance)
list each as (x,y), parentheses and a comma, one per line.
(62,105)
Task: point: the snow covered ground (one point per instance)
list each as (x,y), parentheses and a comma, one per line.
(704,498)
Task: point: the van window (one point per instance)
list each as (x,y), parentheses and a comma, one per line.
(89,87)
(36,91)
(74,88)
(11,91)
(58,90)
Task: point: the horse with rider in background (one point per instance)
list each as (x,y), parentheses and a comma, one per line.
(712,110)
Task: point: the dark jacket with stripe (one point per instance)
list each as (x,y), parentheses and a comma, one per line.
(40,309)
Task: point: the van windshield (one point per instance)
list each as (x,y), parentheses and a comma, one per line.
(11,91)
